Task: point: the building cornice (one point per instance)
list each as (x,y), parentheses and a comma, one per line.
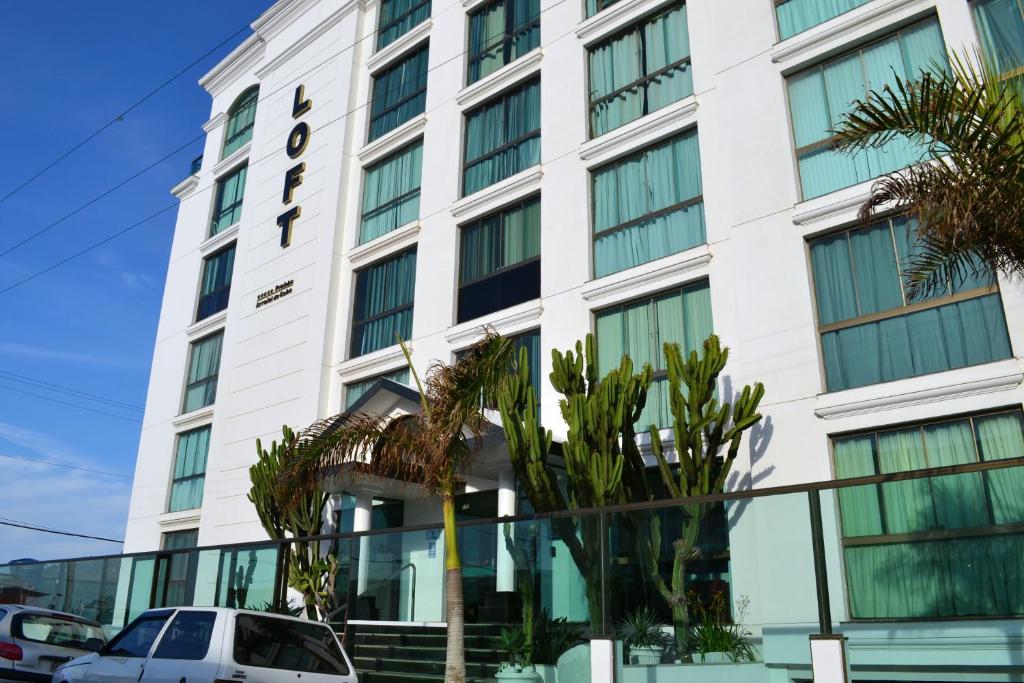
(502,79)
(385,245)
(306,40)
(795,51)
(279,16)
(219,240)
(843,208)
(197,418)
(183,190)
(609,20)
(241,59)
(399,45)
(206,326)
(215,121)
(498,194)
(640,133)
(393,140)
(673,269)
(508,322)
(186,519)
(374,363)
(236,158)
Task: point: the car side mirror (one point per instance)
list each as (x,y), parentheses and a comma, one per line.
(94,644)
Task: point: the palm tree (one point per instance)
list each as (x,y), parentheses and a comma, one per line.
(967,194)
(433,449)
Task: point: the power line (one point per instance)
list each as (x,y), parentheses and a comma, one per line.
(120,117)
(69,404)
(59,388)
(57,463)
(31,527)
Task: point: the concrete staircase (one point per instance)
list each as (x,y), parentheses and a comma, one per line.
(407,654)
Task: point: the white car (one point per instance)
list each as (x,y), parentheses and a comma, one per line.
(215,645)
(35,641)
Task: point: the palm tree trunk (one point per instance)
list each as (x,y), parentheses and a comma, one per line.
(455,662)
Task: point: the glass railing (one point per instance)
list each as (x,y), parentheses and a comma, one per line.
(196,165)
(890,561)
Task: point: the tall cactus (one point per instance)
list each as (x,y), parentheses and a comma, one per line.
(602,462)
(701,429)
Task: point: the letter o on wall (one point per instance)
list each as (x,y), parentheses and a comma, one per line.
(298,139)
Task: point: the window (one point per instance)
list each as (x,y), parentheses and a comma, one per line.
(189,470)
(55,629)
(285,644)
(216,285)
(399,93)
(502,137)
(639,71)
(500,33)
(796,16)
(391,193)
(241,118)
(648,205)
(356,390)
(936,547)
(227,209)
(872,332)
(499,263)
(384,303)
(398,17)
(203,367)
(1001,30)
(181,540)
(188,636)
(137,637)
(640,328)
(525,340)
(595,6)
(821,95)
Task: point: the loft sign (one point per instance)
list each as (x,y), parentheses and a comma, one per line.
(298,139)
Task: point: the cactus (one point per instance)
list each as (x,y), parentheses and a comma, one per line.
(701,428)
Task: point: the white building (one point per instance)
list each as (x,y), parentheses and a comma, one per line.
(652,163)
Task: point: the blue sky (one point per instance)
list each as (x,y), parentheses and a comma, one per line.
(89,325)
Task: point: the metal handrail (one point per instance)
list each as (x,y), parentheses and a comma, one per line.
(412,595)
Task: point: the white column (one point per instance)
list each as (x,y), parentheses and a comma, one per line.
(828,658)
(602,661)
(505,567)
(361,517)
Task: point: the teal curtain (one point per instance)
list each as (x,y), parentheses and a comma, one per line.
(648,56)
(500,33)
(241,120)
(594,6)
(203,366)
(356,390)
(181,540)
(384,304)
(391,193)
(227,209)
(189,468)
(821,95)
(858,273)
(796,16)
(1000,26)
(499,241)
(531,342)
(217,271)
(398,17)
(399,93)
(640,328)
(859,506)
(513,119)
(631,224)
(1001,437)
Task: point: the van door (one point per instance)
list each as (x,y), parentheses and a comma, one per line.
(189,649)
(122,660)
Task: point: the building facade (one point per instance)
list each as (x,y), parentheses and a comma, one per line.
(643,170)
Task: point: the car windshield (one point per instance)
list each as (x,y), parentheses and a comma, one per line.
(56,630)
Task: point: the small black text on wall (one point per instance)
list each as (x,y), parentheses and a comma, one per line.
(298,140)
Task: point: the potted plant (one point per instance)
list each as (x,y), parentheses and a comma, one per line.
(714,638)
(515,668)
(644,636)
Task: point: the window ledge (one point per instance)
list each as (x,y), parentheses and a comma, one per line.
(388,243)
(507,321)
(219,240)
(912,391)
(184,189)
(613,18)
(237,157)
(493,196)
(182,518)
(834,208)
(642,132)
(393,140)
(206,325)
(649,277)
(399,45)
(194,419)
(812,44)
(216,120)
(374,363)
(492,84)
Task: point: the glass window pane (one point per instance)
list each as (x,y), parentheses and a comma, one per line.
(355,390)
(398,17)
(227,209)
(189,469)
(204,365)
(796,16)
(273,643)
(391,193)
(399,93)
(384,304)
(500,33)
(241,119)
(502,138)
(1000,26)
(188,636)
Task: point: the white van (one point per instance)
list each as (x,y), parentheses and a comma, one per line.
(215,645)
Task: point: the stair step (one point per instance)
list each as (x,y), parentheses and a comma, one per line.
(418,640)
(421,666)
(396,677)
(485,655)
